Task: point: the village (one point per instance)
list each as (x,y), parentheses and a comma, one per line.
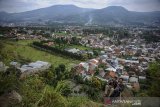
(79,53)
(101,56)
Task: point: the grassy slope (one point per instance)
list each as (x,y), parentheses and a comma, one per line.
(22,48)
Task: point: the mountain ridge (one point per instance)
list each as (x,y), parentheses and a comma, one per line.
(87,16)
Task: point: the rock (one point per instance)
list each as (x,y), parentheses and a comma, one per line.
(10,99)
(3,67)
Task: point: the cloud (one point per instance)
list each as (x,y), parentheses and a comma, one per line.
(25,5)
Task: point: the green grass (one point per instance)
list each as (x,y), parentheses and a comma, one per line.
(80,47)
(23,49)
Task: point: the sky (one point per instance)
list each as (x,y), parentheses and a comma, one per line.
(15,6)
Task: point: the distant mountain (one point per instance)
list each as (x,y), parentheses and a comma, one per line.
(4,16)
(119,15)
(72,14)
(49,13)
(109,15)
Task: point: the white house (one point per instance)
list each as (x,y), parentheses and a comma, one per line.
(133,80)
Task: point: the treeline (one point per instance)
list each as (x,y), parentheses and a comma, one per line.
(62,41)
(4,30)
(120,32)
(39,45)
(151,36)
(97,31)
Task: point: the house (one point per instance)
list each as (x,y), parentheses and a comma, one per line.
(87,77)
(102,72)
(131,73)
(111,69)
(94,61)
(90,52)
(141,78)
(76,70)
(50,43)
(84,66)
(110,74)
(133,79)
(102,52)
(125,78)
(132,61)
(103,57)
(109,50)
(1,35)
(92,65)
(73,50)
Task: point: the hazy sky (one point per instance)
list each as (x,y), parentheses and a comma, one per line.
(133,5)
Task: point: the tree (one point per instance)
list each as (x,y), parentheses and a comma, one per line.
(78,79)
(60,72)
(153,70)
(58,41)
(49,77)
(85,56)
(95,83)
(62,67)
(153,76)
(97,71)
(93,93)
(102,66)
(95,53)
(75,40)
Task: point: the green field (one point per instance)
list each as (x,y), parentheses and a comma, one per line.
(23,49)
(79,47)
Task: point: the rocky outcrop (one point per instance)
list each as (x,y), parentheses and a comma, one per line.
(10,99)
(3,67)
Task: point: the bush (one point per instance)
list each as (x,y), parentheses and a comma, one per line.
(31,90)
(51,98)
(64,88)
(81,102)
(8,82)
